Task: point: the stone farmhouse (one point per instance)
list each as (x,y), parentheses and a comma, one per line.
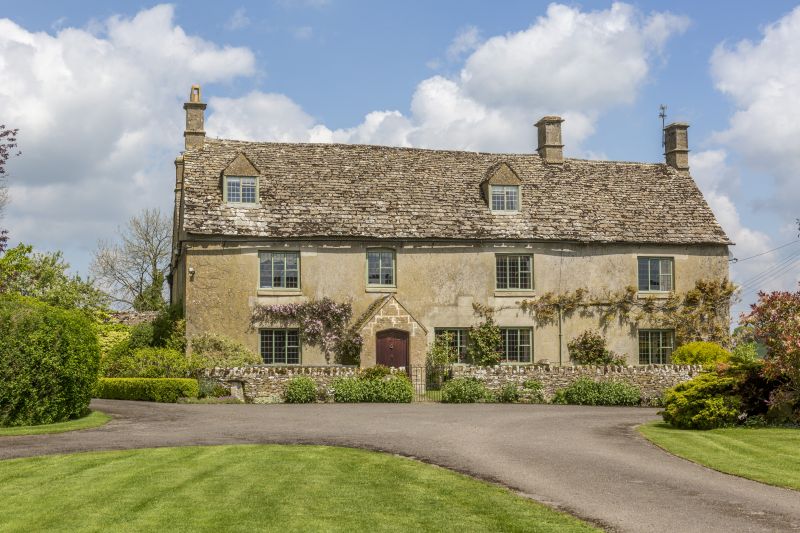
(413,238)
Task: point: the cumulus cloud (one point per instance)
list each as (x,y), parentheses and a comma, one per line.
(465,41)
(763,80)
(100,120)
(568,62)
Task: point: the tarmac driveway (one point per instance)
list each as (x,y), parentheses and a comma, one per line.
(588,461)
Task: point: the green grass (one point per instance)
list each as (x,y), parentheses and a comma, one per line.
(92,420)
(257,488)
(769,455)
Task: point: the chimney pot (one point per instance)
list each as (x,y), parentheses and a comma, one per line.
(676,145)
(195,134)
(550,147)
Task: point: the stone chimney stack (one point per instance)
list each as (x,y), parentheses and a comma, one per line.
(550,148)
(195,135)
(676,145)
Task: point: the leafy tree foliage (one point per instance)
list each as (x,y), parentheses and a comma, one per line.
(45,276)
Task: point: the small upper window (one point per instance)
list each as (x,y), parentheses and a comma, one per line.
(240,190)
(656,274)
(505,198)
(380,268)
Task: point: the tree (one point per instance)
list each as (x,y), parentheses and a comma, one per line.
(133,269)
(8,144)
(44,276)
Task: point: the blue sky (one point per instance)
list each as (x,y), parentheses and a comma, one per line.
(96,90)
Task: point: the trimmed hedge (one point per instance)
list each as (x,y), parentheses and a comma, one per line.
(301,389)
(165,390)
(49,359)
(584,391)
(396,388)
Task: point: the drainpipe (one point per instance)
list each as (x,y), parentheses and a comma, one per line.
(560,336)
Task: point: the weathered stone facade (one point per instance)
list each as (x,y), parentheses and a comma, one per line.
(583,224)
(267,383)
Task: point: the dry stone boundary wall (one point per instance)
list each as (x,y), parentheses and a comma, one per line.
(266,384)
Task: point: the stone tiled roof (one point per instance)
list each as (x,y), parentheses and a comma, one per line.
(335,190)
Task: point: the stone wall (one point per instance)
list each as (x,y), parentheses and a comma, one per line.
(652,380)
(266,384)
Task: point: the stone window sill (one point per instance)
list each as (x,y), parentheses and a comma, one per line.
(661,295)
(513,293)
(279,292)
(381,289)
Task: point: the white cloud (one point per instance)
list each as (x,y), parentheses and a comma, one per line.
(100,120)
(465,41)
(573,63)
(763,80)
(238,20)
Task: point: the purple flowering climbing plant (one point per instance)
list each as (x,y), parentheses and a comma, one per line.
(324,323)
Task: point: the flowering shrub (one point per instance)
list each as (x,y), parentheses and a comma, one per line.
(324,323)
(775,320)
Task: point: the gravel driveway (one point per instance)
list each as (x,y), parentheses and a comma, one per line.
(588,461)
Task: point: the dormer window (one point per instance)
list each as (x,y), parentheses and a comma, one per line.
(501,189)
(240,190)
(240,182)
(505,197)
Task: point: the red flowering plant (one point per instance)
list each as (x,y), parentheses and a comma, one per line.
(775,319)
(324,323)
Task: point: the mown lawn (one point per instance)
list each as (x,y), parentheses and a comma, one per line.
(769,455)
(257,488)
(93,419)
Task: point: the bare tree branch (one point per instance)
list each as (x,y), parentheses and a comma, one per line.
(129,268)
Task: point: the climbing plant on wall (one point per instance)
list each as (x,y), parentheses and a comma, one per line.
(324,323)
(702,314)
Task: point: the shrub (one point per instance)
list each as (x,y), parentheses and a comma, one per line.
(169,328)
(396,388)
(484,340)
(533,391)
(300,389)
(110,334)
(464,390)
(141,336)
(705,402)
(374,372)
(210,350)
(211,389)
(584,391)
(744,353)
(508,393)
(700,353)
(165,390)
(589,348)
(48,362)
(121,362)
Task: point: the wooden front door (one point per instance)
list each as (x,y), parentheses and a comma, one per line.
(391,348)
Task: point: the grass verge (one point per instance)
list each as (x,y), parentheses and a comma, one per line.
(258,488)
(769,455)
(92,420)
